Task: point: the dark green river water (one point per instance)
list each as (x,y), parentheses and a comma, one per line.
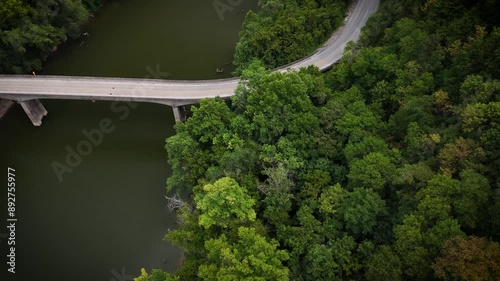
(107,217)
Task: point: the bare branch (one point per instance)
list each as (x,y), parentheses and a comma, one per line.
(174,202)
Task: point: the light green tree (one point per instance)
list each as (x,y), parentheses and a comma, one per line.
(331,198)
(156,275)
(373,171)
(224,203)
(251,258)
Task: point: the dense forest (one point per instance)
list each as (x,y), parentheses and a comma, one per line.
(32,29)
(281,32)
(384,168)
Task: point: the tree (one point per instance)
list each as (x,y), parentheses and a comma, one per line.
(224,203)
(251,257)
(410,248)
(209,119)
(435,236)
(470,56)
(357,150)
(416,110)
(277,192)
(331,199)
(464,198)
(281,32)
(189,234)
(474,89)
(337,256)
(190,237)
(360,210)
(462,154)
(468,259)
(417,241)
(436,198)
(372,65)
(30,30)
(420,145)
(238,160)
(373,171)
(318,258)
(358,121)
(471,196)
(251,77)
(315,182)
(10,11)
(298,238)
(442,103)
(384,265)
(187,160)
(482,120)
(414,176)
(70,15)
(282,104)
(156,275)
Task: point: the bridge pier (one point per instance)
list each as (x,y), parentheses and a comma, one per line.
(5,105)
(35,111)
(179,113)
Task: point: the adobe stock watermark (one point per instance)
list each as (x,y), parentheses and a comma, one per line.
(222,6)
(94,137)
(121,276)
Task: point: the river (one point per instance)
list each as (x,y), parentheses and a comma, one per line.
(106,218)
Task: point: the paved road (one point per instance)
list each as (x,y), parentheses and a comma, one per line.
(171,92)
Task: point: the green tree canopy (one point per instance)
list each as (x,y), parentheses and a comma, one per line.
(360,210)
(384,265)
(224,203)
(251,257)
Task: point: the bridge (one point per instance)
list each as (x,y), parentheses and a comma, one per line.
(28,90)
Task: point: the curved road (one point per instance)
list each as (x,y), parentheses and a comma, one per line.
(173,92)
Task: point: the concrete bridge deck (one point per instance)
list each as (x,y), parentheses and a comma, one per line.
(175,93)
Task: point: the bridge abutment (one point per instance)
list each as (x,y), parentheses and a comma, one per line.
(179,113)
(35,111)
